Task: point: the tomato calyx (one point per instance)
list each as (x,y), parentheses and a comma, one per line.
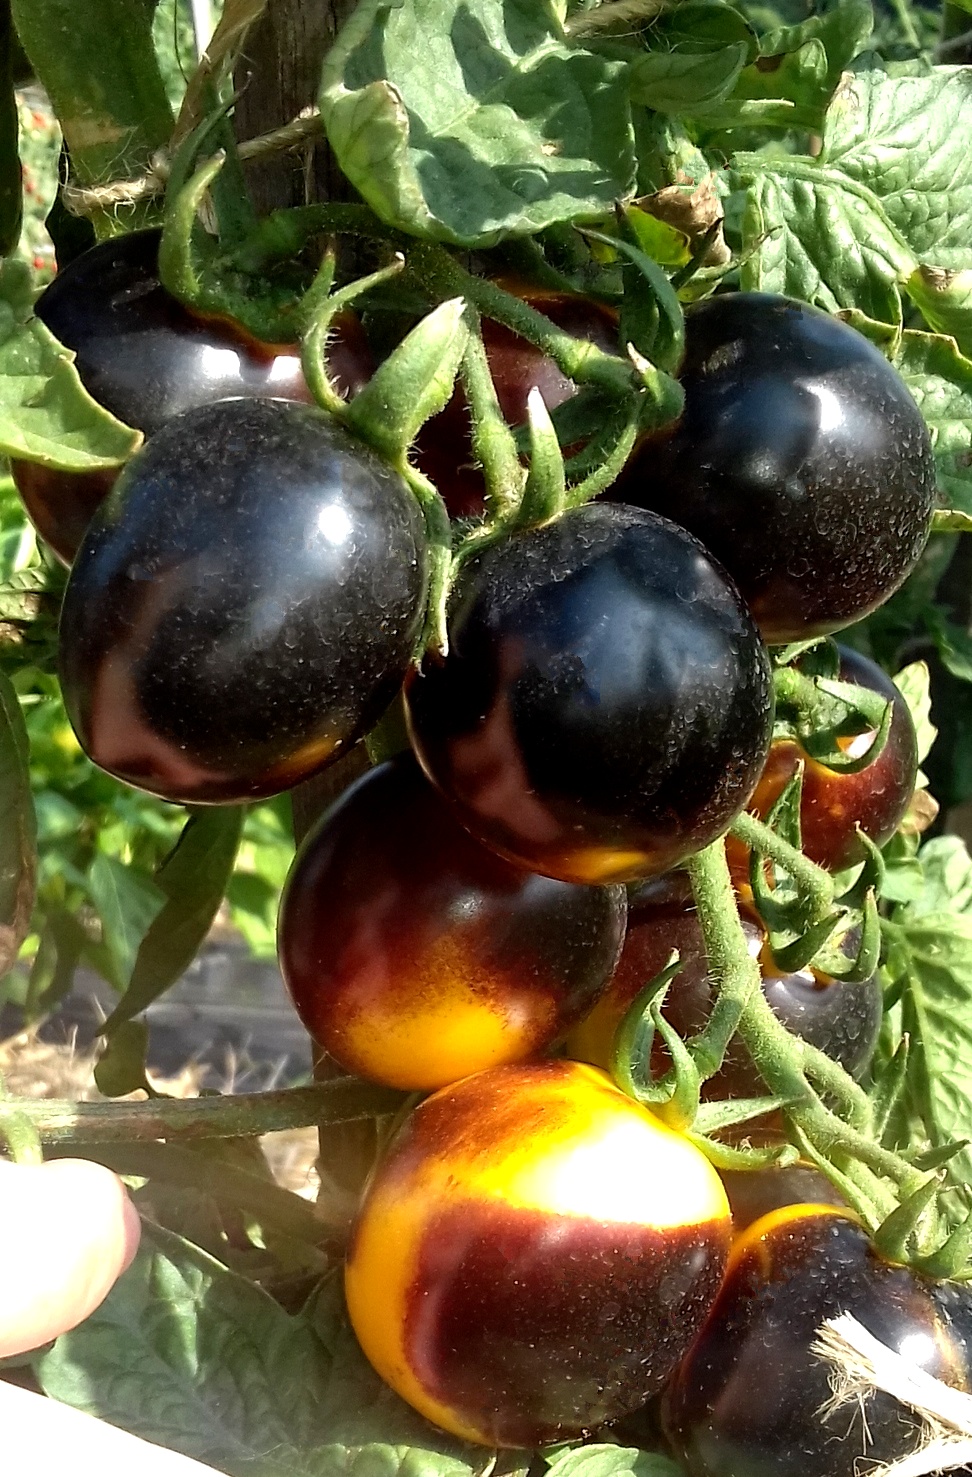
(841,725)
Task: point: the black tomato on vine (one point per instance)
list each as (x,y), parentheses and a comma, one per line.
(840,1017)
(747,1399)
(605,708)
(244,605)
(801,460)
(443,449)
(834,804)
(415,956)
(145,357)
(534,1255)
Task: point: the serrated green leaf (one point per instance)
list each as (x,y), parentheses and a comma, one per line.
(470,126)
(936,1006)
(657,239)
(199,1359)
(939,377)
(913,684)
(127,902)
(18,829)
(611,1461)
(841,30)
(193,880)
(46,415)
(946,878)
(814,234)
(906,140)
(684,81)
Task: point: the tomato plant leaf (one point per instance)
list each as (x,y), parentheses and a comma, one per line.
(906,140)
(193,878)
(18,828)
(612,1461)
(936,1013)
(127,902)
(470,125)
(939,377)
(914,685)
(46,415)
(121,1067)
(814,234)
(842,31)
(946,878)
(685,81)
(190,1355)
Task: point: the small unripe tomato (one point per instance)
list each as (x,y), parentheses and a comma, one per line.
(534,1255)
(748,1400)
(834,804)
(444,450)
(415,956)
(839,1017)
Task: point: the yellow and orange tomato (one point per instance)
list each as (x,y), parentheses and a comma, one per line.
(415,956)
(534,1255)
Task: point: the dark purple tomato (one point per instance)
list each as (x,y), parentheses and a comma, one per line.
(145,357)
(801,460)
(746,1400)
(839,1017)
(415,956)
(605,708)
(244,605)
(834,804)
(444,446)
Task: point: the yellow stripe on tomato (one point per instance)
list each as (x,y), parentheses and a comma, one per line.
(534,1255)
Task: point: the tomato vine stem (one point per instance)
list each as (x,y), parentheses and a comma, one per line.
(816,884)
(340,1100)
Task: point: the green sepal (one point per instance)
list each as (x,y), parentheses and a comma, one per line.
(318,309)
(799,952)
(680,1109)
(714,1117)
(414,383)
(896,1238)
(630,1064)
(545,492)
(863,966)
(732,1156)
(856,1197)
(927,1159)
(194,268)
(658,335)
(818,711)
(888,1088)
(951,520)
(870,878)
(952,1260)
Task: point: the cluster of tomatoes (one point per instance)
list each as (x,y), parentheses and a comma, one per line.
(536,1254)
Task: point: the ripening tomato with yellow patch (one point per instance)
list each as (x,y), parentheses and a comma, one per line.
(416,956)
(534,1255)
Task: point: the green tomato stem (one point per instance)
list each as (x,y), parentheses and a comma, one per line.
(579,360)
(779,1057)
(817,885)
(342,1100)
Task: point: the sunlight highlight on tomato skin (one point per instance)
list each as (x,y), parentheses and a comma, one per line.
(534,1255)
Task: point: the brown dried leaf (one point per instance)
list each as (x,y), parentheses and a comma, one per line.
(694,212)
(224,47)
